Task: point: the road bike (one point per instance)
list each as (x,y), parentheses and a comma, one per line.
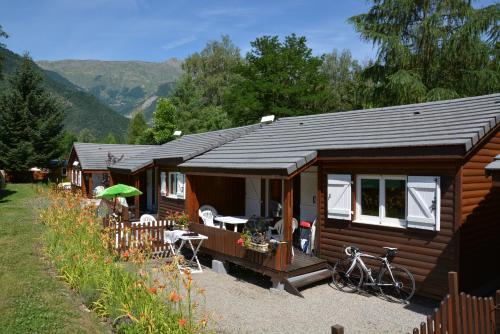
(394,282)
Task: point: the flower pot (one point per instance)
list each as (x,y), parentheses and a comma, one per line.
(261,248)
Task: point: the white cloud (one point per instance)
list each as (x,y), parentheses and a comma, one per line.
(178,42)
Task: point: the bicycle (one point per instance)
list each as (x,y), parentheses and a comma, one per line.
(394,282)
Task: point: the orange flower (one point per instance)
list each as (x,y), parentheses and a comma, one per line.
(182,322)
(125,254)
(203,322)
(153,290)
(174,297)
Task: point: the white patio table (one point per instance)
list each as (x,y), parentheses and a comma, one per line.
(172,236)
(238,220)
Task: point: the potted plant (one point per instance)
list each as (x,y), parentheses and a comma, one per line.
(178,219)
(255,236)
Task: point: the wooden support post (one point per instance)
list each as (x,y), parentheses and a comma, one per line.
(337,329)
(497,311)
(455,323)
(137,184)
(91,185)
(192,204)
(288,216)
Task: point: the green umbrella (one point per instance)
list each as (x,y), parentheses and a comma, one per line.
(119,190)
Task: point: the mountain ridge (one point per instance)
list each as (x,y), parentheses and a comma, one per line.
(123,85)
(82,110)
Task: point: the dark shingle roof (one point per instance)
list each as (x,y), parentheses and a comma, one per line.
(184,148)
(291,142)
(95,156)
(494,166)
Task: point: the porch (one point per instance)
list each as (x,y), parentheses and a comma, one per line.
(267,197)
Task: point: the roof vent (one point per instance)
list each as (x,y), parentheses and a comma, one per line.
(267,119)
(416,113)
(177,133)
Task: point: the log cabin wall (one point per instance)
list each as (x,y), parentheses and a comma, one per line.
(480,217)
(428,255)
(225,194)
(167,204)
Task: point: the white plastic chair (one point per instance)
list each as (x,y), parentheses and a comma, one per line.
(207,213)
(147,220)
(98,190)
(278,227)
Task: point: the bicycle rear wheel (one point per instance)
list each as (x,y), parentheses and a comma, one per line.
(344,282)
(401,289)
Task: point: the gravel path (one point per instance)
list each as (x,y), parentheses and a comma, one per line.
(240,306)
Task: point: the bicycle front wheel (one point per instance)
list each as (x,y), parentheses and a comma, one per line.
(344,282)
(401,289)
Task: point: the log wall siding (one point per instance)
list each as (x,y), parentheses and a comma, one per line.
(428,255)
(480,217)
(166,204)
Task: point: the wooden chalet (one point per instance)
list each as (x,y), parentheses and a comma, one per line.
(411,177)
(154,170)
(88,163)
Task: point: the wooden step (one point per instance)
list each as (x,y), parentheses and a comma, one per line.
(292,284)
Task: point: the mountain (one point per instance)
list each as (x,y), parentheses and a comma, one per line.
(83,110)
(123,85)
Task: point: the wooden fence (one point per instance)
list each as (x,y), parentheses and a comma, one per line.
(458,313)
(125,235)
(461,313)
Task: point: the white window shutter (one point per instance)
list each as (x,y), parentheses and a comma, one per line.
(181,185)
(339,196)
(163,183)
(424,202)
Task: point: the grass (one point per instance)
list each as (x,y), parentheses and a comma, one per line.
(32,300)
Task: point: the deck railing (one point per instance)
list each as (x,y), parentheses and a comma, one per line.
(125,235)
(223,244)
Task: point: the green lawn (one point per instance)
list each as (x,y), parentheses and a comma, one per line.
(32,300)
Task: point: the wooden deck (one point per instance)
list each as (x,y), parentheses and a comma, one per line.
(303,264)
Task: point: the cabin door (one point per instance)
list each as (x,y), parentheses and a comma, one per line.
(149,190)
(252,197)
(308,193)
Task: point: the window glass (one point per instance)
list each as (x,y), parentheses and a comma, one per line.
(370,197)
(395,199)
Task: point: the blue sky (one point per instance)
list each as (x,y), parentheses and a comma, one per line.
(158,30)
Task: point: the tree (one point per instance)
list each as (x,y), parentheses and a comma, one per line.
(86,136)
(430,50)
(3,34)
(31,121)
(66,143)
(346,86)
(199,93)
(164,124)
(164,121)
(136,127)
(110,139)
(279,78)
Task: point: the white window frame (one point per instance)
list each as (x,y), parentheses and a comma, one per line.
(174,192)
(163,184)
(381,219)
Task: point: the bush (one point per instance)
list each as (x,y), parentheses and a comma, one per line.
(132,298)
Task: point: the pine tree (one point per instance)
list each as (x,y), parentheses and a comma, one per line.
(110,139)
(86,136)
(31,121)
(3,34)
(136,128)
(431,50)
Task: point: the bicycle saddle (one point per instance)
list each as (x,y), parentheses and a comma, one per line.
(390,248)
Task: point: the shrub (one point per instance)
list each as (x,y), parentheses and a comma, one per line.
(134,299)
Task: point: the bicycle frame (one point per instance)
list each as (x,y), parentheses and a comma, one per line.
(356,258)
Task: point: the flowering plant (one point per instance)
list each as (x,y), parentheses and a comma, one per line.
(178,217)
(244,240)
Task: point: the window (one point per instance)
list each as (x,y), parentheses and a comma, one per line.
(64,172)
(381,200)
(176,185)
(399,201)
